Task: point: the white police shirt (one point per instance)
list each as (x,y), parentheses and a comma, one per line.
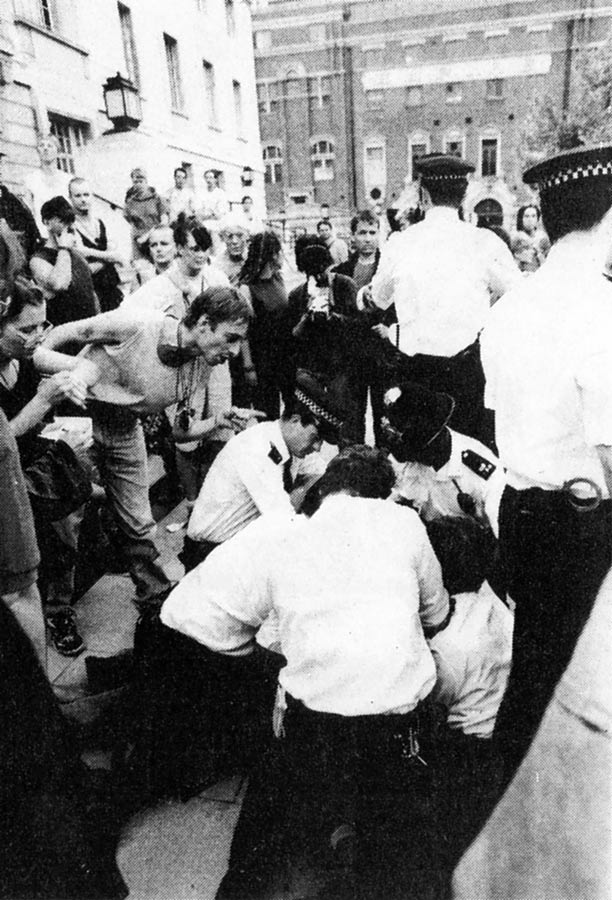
(547,357)
(472,656)
(351,588)
(442,274)
(246,481)
(472,469)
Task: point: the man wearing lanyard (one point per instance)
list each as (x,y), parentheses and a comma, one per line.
(443,274)
(141,364)
(547,359)
(257,470)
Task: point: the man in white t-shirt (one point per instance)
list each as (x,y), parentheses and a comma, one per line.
(143,363)
(47,182)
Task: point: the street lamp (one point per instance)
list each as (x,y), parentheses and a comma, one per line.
(122,102)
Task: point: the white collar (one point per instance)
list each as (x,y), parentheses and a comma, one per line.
(442,214)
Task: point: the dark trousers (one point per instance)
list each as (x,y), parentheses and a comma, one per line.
(462,377)
(327,771)
(555,559)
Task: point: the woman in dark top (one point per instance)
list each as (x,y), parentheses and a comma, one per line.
(27,401)
(328,333)
(261,279)
(60,270)
(100,257)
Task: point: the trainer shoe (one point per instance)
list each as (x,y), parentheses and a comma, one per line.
(64,634)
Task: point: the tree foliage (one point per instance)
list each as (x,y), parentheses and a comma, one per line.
(549,128)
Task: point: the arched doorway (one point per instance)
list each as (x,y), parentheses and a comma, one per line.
(489,212)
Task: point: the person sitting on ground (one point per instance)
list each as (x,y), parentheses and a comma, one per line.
(472,656)
(336,246)
(439,471)
(140,363)
(358,666)
(95,247)
(180,199)
(60,270)
(257,470)
(27,400)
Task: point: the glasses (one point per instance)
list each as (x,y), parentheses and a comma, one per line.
(31,331)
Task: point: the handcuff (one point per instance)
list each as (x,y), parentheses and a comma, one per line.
(575,497)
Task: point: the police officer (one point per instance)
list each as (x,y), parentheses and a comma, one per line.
(443,274)
(439,471)
(547,358)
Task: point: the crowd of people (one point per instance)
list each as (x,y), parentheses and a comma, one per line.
(371,633)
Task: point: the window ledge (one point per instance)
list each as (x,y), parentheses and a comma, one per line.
(494,99)
(179,113)
(216,128)
(60,39)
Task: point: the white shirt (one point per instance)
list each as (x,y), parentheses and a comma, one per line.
(472,468)
(472,656)
(442,274)
(41,188)
(547,357)
(211,204)
(180,201)
(350,587)
(173,291)
(245,482)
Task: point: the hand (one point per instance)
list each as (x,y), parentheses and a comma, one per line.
(67,239)
(382,331)
(62,386)
(364,298)
(244,418)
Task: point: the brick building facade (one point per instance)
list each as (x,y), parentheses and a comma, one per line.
(351,92)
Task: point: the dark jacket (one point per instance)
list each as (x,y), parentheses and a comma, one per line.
(348,268)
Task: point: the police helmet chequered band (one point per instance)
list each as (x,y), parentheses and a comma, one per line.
(575,174)
(317,410)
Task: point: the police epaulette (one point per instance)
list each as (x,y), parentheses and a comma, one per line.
(478,464)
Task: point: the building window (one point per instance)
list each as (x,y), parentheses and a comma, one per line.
(263,40)
(454,144)
(489,156)
(70,135)
(373,57)
(375,165)
(319,91)
(210,94)
(375,99)
(273,164)
(129,44)
(417,146)
(237,92)
(316,34)
(495,89)
(46,14)
(322,156)
(174,73)
(453,92)
(230,17)
(268,95)
(293,85)
(415,95)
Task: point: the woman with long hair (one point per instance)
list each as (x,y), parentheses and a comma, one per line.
(530,244)
(268,369)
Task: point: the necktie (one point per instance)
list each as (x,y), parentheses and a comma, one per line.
(287,479)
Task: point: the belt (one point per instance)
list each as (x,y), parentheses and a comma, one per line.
(580,494)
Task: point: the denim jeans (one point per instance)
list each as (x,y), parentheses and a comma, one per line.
(121,456)
(122,461)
